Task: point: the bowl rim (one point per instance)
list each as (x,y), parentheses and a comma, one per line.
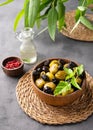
(15,57)
(71,94)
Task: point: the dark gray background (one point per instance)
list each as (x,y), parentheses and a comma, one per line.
(11,115)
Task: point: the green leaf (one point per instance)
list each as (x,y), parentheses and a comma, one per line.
(25,3)
(60,9)
(69,72)
(52,21)
(33,11)
(26,11)
(18,18)
(82,2)
(45,4)
(86,22)
(64,0)
(89,2)
(61,14)
(61,87)
(38,21)
(74,83)
(79,70)
(79,13)
(6,2)
(61,23)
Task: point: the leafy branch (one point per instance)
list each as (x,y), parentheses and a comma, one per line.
(80,15)
(34,11)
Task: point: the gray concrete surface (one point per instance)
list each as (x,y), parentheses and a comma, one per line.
(11,115)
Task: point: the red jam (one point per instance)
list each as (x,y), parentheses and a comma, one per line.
(13,64)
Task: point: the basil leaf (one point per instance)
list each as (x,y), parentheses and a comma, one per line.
(66,89)
(33,11)
(79,70)
(74,83)
(6,2)
(18,18)
(67,70)
(61,87)
(52,21)
(86,22)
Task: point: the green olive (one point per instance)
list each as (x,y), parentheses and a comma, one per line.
(53,62)
(40,83)
(50,76)
(42,73)
(53,68)
(50,85)
(61,74)
(68,92)
(78,80)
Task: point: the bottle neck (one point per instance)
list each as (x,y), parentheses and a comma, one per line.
(26,34)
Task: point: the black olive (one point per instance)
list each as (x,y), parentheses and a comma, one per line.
(60,67)
(36,74)
(71,65)
(62,61)
(55,81)
(74,87)
(48,90)
(45,68)
(46,63)
(82,76)
(45,77)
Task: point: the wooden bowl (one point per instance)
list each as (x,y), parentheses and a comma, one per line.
(57,100)
(13,71)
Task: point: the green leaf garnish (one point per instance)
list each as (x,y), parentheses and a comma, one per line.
(62,87)
(70,73)
(74,83)
(79,70)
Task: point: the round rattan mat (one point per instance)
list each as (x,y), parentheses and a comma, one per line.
(81,32)
(78,111)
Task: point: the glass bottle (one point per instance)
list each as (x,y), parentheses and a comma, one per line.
(27,49)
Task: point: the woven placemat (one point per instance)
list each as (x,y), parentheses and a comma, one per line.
(81,32)
(78,111)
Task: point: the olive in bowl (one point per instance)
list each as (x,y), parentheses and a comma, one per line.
(12,66)
(62,83)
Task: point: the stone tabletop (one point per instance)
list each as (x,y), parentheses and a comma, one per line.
(11,115)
